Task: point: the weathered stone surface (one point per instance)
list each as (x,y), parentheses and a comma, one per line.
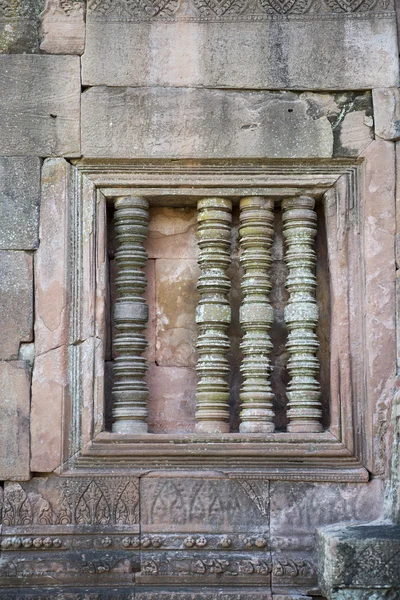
(177,298)
(14,421)
(293,570)
(40,103)
(172,233)
(192,568)
(380,273)
(387,113)
(206,504)
(355,133)
(397,207)
(369,594)
(291,597)
(280,53)
(172,401)
(63,27)
(19,203)
(49,392)
(165,593)
(16,302)
(19,31)
(143,122)
(150,299)
(359,557)
(51,263)
(204,594)
(298,509)
(79,501)
(18,35)
(73,593)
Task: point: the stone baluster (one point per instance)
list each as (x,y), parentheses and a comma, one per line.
(256,314)
(301,315)
(130,391)
(213,315)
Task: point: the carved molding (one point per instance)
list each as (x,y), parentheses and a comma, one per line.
(240,10)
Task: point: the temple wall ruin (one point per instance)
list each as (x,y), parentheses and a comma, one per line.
(199,341)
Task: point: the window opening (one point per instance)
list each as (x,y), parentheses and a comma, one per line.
(172,274)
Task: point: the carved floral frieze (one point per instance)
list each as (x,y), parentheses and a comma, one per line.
(284,567)
(83,501)
(132,10)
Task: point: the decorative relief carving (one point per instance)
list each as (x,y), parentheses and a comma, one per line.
(285,567)
(126,9)
(78,594)
(127,504)
(258,491)
(17,509)
(27,8)
(130,391)
(213,315)
(301,315)
(67,7)
(202,501)
(81,501)
(282,567)
(256,233)
(206,566)
(205,595)
(246,10)
(352,6)
(92,507)
(284,7)
(219,7)
(14,543)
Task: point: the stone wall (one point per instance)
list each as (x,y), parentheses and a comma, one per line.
(177,100)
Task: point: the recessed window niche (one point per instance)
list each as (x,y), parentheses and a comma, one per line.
(172,272)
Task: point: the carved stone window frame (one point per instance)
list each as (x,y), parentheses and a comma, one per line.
(341,454)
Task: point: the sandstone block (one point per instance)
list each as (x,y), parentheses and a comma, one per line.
(380,302)
(72,502)
(214,49)
(298,509)
(14,420)
(40,99)
(365,556)
(16,302)
(177,299)
(387,113)
(206,503)
(172,401)
(19,203)
(18,35)
(172,233)
(49,389)
(397,207)
(63,27)
(148,122)
(51,264)
(150,298)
